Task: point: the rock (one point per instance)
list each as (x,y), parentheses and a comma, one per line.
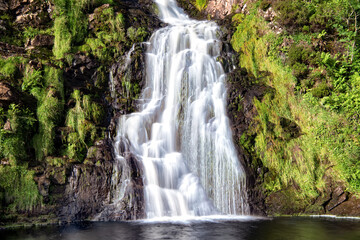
(132,71)
(7,50)
(43,185)
(58,176)
(13,4)
(4,6)
(82,71)
(269,14)
(7,95)
(42,40)
(7,125)
(88,187)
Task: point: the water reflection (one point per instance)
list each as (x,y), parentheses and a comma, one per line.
(275,229)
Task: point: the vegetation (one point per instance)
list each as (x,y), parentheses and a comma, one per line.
(16,135)
(19,190)
(307,128)
(81,121)
(201,4)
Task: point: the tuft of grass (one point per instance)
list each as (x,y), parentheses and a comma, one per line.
(49,111)
(82,120)
(18,188)
(14,142)
(201,4)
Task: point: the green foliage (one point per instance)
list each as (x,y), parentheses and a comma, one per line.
(14,142)
(136,35)
(108,35)
(321,90)
(201,4)
(30,32)
(49,111)
(62,41)
(245,40)
(18,187)
(327,143)
(32,79)
(9,67)
(82,120)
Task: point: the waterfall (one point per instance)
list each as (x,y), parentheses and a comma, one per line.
(181,134)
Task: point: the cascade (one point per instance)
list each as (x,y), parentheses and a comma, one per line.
(181,133)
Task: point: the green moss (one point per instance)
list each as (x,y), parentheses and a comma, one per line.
(326,145)
(321,90)
(14,143)
(9,69)
(82,120)
(62,41)
(49,111)
(201,4)
(19,191)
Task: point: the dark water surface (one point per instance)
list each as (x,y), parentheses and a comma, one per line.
(273,229)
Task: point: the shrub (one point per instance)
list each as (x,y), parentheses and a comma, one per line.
(321,90)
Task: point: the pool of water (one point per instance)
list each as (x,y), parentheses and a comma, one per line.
(292,228)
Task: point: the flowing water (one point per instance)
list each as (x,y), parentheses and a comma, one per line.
(181,133)
(240,229)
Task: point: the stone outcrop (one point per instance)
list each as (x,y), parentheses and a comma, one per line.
(219,9)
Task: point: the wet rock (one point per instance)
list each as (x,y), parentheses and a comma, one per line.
(7,95)
(7,50)
(43,185)
(128,80)
(42,40)
(88,187)
(82,72)
(131,205)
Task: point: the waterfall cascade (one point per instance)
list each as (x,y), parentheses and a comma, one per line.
(181,133)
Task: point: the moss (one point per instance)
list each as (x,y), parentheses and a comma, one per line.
(201,4)
(82,120)
(62,41)
(9,69)
(49,111)
(321,90)
(18,187)
(14,142)
(299,161)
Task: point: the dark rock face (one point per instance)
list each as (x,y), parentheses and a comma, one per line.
(241,111)
(88,186)
(76,192)
(82,73)
(128,80)
(127,195)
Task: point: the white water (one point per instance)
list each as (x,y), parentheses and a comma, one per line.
(181,133)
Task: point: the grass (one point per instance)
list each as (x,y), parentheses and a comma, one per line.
(49,111)
(201,4)
(19,191)
(14,143)
(82,120)
(326,145)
